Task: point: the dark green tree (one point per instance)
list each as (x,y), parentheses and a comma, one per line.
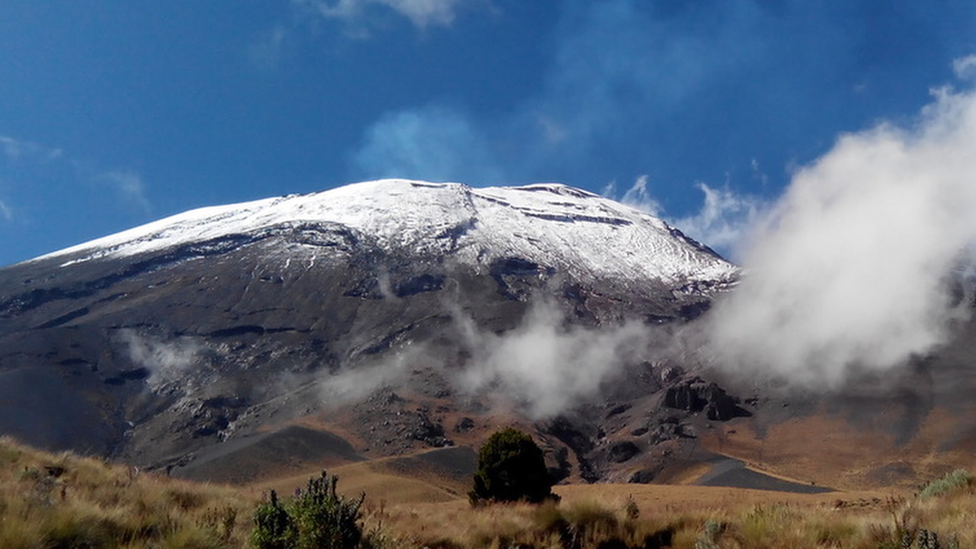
(511,467)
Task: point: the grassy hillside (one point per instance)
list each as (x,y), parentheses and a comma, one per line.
(61,501)
(55,501)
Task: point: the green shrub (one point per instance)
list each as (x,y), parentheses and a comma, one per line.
(325,519)
(273,527)
(511,468)
(316,518)
(960,478)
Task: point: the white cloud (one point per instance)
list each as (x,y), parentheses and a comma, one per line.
(32,157)
(637,196)
(166,360)
(850,269)
(545,365)
(129,185)
(17,149)
(434,143)
(724,220)
(422,13)
(11,147)
(965,67)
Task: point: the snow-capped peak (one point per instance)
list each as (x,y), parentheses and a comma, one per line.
(550,224)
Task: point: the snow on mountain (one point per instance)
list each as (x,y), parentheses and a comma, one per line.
(551,224)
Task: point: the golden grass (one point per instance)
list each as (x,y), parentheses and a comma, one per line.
(694,517)
(373,479)
(831,451)
(53,501)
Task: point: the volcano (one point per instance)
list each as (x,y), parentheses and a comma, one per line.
(406,320)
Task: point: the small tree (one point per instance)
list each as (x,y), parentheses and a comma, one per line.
(511,468)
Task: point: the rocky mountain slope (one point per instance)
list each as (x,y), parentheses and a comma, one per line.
(218,328)
(257,340)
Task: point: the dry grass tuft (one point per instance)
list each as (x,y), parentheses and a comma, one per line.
(54,501)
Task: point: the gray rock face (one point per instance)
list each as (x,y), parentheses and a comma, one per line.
(696,395)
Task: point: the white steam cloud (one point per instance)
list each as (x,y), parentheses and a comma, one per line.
(548,367)
(544,366)
(167,361)
(355,384)
(850,269)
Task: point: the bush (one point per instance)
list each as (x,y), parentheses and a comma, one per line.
(511,468)
(273,527)
(960,478)
(316,518)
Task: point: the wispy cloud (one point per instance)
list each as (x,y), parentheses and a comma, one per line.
(166,359)
(544,366)
(31,160)
(18,149)
(725,219)
(690,91)
(422,13)
(359,18)
(129,185)
(637,196)
(853,268)
(723,222)
(5,212)
(435,143)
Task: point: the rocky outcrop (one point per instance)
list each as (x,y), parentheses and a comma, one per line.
(579,437)
(623,451)
(696,395)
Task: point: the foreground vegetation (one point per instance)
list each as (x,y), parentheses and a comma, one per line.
(61,501)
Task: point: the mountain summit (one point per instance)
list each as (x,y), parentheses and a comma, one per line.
(567,229)
(363,319)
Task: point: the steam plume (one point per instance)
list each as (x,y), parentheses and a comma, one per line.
(850,268)
(165,360)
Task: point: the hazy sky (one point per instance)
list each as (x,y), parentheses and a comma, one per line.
(114,113)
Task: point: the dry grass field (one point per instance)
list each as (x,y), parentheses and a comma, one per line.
(61,501)
(64,501)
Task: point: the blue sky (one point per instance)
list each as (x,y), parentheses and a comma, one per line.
(115,113)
